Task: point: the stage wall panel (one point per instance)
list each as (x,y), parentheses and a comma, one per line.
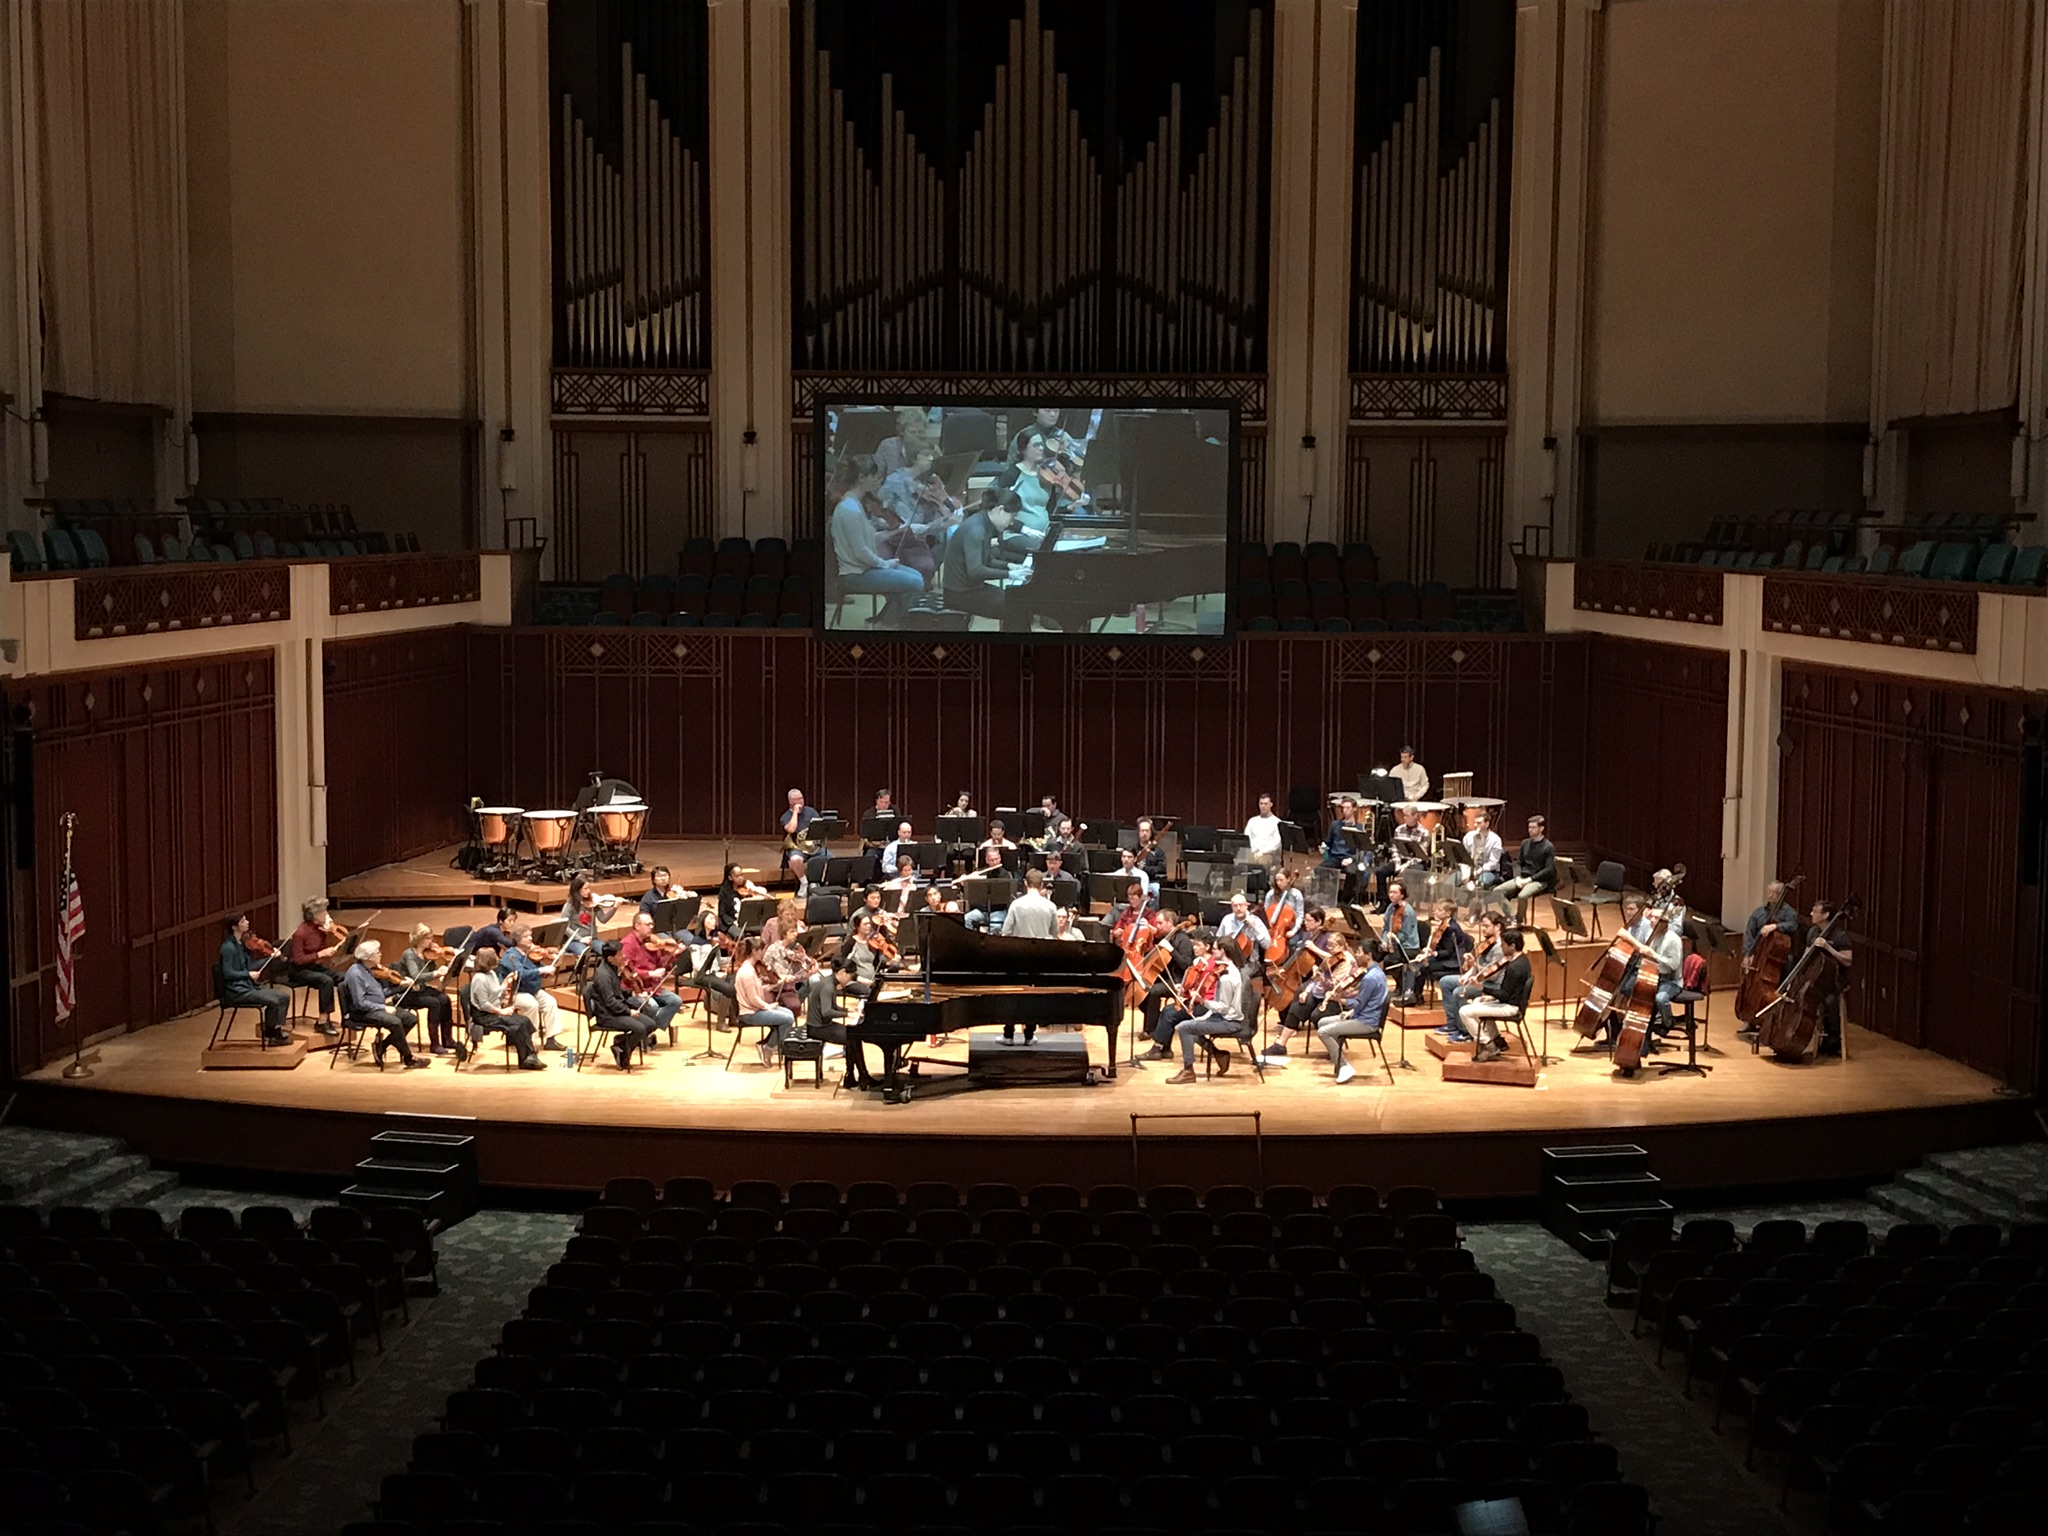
(1655,760)
(172,772)
(715,728)
(397,711)
(1908,795)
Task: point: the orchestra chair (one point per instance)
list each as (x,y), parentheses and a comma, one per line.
(1693,991)
(594,1027)
(739,1029)
(458,1025)
(224,1022)
(1608,882)
(1247,1036)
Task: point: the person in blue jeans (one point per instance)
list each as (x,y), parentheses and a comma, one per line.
(862,565)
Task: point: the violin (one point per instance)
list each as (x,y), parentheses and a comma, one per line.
(878,512)
(436,952)
(884,947)
(1056,479)
(257,946)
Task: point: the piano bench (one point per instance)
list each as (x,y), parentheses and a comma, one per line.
(794,1051)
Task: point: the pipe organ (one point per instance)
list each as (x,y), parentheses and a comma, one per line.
(1028,197)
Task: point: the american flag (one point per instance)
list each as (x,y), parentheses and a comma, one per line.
(70,929)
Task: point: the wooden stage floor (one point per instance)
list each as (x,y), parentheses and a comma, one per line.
(1753,1121)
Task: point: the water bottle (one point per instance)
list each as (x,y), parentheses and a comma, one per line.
(569,1057)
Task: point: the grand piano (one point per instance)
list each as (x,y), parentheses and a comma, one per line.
(971,978)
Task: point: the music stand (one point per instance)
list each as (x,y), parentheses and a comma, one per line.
(826,828)
(1550,957)
(855,869)
(1106,886)
(676,913)
(1029,824)
(1101,833)
(1292,838)
(1570,919)
(755,911)
(958,830)
(1065,891)
(879,826)
(1180,901)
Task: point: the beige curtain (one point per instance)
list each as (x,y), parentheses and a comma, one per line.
(107,74)
(1958,104)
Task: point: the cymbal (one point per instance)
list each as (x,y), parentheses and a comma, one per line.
(1420,805)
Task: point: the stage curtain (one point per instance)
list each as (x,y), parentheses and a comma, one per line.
(108,82)
(1958,105)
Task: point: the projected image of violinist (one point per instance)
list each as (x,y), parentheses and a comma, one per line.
(1032,520)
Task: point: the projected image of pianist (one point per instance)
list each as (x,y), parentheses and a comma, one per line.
(979,557)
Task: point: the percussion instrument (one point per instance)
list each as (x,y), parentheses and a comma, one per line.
(619,824)
(550,831)
(1457,786)
(1472,805)
(497,826)
(1429,813)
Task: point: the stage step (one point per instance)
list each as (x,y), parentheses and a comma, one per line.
(1048,1059)
(1588,1192)
(32,1161)
(1910,1203)
(2016,1175)
(433,1172)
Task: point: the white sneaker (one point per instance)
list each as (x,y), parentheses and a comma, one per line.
(762,1048)
(834,1052)
(1273,1058)
(1345,1073)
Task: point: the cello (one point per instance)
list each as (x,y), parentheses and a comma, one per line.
(1765,967)
(1638,1007)
(1789,1023)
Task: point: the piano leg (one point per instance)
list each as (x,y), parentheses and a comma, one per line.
(1112,1047)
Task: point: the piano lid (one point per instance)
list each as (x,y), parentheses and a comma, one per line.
(956,952)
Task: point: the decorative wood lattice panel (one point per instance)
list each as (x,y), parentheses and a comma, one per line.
(150,599)
(374,583)
(630,392)
(1678,593)
(1920,615)
(1429,397)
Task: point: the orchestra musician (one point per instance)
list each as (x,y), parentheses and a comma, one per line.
(644,962)
(237,980)
(996,839)
(1242,921)
(1343,844)
(795,825)
(1063,926)
(1131,866)
(1221,1015)
(963,805)
(1831,1001)
(899,896)
(732,890)
(1456,991)
(488,1005)
(1775,915)
(983,914)
(661,886)
(1365,1019)
(1504,995)
(936,899)
(892,851)
(365,1007)
(317,940)
(1197,985)
(1283,897)
(1335,969)
(1262,833)
(533,971)
(1413,776)
(1400,931)
(497,932)
(799,870)
(1535,865)
(862,565)
(1660,936)
(423,963)
(1483,848)
(754,994)
(800,981)
(976,555)
(613,1008)
(1061,838)
(1045,426)
(580,912)
(1062,887)
(924,511)
(1151,857)
(913,432)
(1039,498)
(1450,948)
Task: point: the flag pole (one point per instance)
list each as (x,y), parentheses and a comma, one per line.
(78,1068)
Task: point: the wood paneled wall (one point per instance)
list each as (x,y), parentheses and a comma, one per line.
(172,772)
(398,711)
(714,728)
(1909,796)
(1655,761)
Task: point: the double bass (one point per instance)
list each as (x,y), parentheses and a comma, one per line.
(1765,967)
(1789,1024)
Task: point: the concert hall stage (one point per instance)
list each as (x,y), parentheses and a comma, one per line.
(1752,1122)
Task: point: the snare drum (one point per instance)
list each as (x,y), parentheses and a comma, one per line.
(550,831)
(619,823)
(497,826)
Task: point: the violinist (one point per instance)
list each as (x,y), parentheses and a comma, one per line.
(1818,918)
(1450,947)
(533,971)
(871,907)
(238,979)
(1400,932)
(365,1006)
(1045,426)
(800,982)
(1458,990)
(1197,987)
(733,889)
(661,887)
(1336,970)
(497,933)
(423,964)
(754,997)
(1365,1019)
(611,1006)
(1505,996)
(644,961)
(580,912)
(314,942)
